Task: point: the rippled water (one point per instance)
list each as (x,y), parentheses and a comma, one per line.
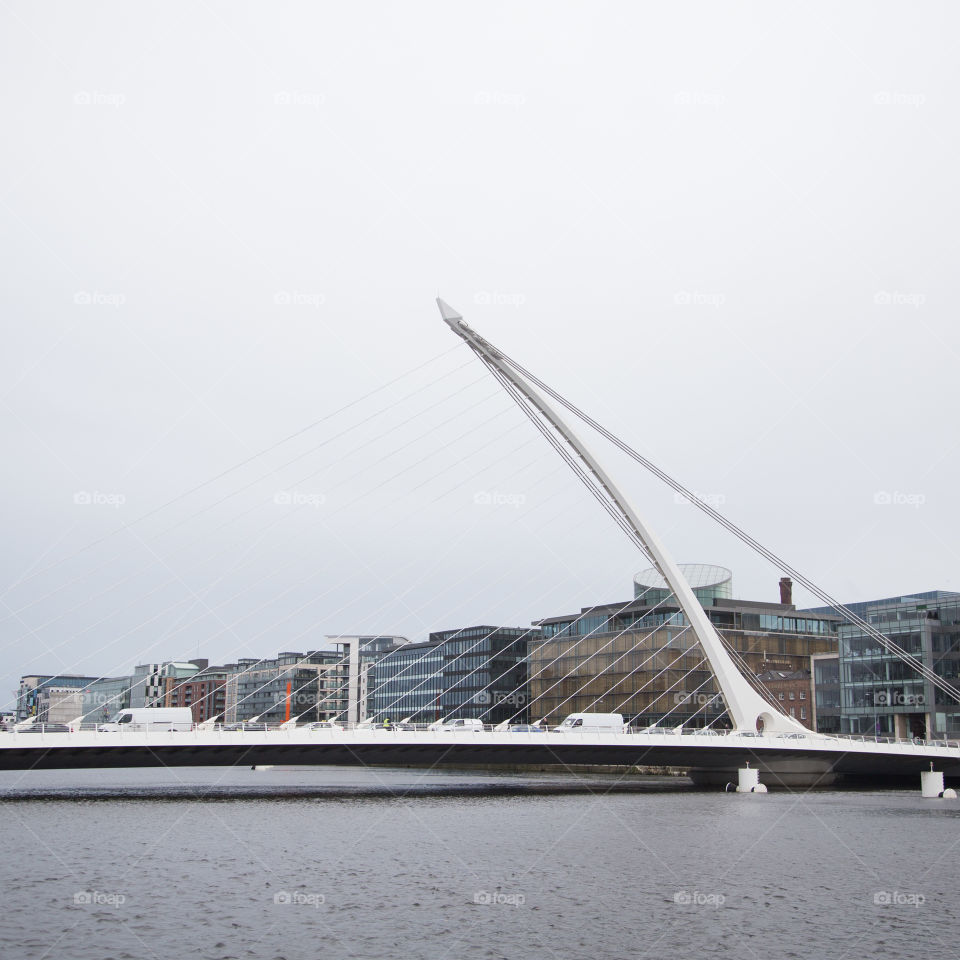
(308,863)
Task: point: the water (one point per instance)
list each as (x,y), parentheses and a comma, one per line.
(307,863)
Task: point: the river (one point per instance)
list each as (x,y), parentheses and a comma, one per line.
(298,863)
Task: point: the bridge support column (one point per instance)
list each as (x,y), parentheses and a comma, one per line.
(931,785)
(748,780)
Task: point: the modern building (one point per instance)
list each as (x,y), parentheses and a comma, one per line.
(106,697)
(152,682)
(47,697)
(473,672)
(825,692)
(204,693)
(879,693)
(638,658)
(326,684)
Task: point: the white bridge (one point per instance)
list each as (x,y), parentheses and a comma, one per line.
(791,760)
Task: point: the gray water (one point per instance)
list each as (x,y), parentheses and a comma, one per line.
(307,863)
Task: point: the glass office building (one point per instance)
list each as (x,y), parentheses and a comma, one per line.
(638,658)
(879,693)
(475,672)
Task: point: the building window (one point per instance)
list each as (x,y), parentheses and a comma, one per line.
(793,711)
(780,695)
(792,695)
(803,713)
(803,695)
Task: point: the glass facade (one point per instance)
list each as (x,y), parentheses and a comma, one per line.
(880,695)
(640,662)
(476,672)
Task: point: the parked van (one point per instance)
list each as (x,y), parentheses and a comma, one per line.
(458,726)
(601,722)
(141,719)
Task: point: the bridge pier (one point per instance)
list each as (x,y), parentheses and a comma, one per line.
(748,780)
(931,785)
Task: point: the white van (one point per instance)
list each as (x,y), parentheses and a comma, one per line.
(141,719)
(601,722)
(459,725)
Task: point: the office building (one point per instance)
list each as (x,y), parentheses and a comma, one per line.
(880,695)
(638,658)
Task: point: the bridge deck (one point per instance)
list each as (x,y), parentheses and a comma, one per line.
(818,758)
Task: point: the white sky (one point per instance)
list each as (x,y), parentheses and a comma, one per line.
(726,230)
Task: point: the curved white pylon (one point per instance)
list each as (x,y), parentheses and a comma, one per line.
(745,706)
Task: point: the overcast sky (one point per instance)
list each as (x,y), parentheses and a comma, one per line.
(729,231)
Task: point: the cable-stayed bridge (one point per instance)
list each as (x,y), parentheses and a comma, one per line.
(777,745)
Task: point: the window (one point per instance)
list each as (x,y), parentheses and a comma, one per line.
(803,713)
(803,695)
(793,696)
(780,695)
(793,711)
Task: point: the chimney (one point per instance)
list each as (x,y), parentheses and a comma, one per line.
(786,590)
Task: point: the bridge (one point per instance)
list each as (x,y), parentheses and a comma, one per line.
(791,760)
(762,738)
